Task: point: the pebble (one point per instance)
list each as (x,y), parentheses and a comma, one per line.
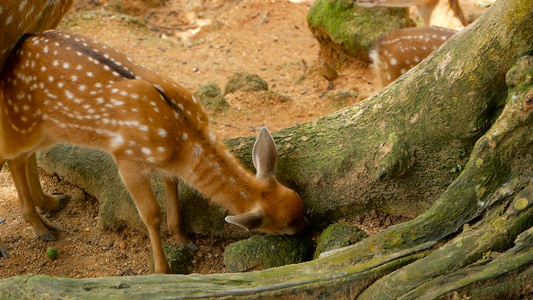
(108,246)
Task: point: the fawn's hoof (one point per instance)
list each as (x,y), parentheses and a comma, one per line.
(60,201)
(48,237)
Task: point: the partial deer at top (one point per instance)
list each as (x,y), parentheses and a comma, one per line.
(60,87)
(17,18)
(405,48)
(442,13)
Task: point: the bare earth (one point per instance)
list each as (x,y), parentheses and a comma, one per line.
(268,38)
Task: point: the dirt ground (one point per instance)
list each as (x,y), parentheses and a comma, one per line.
(192,42)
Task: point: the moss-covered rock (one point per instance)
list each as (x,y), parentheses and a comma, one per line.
(263,252)
(342,26)
(211,97)
(179,259)
(246,82)
(337,236)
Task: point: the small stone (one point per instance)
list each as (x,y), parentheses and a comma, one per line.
(122,245)
(109,246)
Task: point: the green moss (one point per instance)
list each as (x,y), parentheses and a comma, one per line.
(51,253)
(212,97)
(337,236)
(247,82)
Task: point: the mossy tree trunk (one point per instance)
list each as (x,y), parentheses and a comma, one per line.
(474,234)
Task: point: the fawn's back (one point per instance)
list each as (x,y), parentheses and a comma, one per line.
(63,87)
(405,48)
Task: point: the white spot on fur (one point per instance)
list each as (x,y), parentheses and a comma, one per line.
(117,141)
(146,151)
(198,149)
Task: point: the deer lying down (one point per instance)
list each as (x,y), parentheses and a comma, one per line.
(60,87)
(403,49)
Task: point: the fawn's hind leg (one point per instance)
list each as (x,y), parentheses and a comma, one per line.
(41,225)
(40,198)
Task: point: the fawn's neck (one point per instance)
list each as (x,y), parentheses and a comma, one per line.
(211,169)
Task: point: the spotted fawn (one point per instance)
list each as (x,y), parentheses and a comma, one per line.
(61,87)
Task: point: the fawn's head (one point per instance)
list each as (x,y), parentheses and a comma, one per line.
(279,210)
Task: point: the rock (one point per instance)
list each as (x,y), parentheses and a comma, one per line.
(246,82)
(337,236)
(211,97)
(179,259)
(263,252)
(340,26)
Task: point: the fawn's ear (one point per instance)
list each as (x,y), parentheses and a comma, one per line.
(265,155)
(248,221)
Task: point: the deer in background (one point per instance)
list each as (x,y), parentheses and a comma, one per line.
(403,49)
(17,18)
(442,13)
(60,87)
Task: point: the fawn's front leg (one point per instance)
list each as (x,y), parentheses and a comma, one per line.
(40,198)
(41,225)
(138,184)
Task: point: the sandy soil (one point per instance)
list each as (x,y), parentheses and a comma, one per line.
(268,38)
